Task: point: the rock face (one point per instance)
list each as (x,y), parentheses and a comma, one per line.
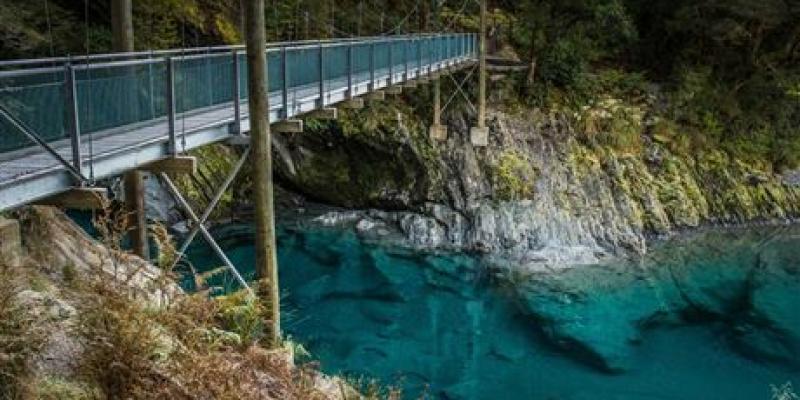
(602,313)
(545,192)
(537,194)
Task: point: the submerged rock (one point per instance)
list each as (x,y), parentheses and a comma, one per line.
(600,314)
(771,329)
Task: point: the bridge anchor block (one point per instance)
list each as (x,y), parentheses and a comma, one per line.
(288,126)
(479,136)
(172,165)
(90,198)
(438,132)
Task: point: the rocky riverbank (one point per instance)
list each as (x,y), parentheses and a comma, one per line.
(81,320)
(549,189)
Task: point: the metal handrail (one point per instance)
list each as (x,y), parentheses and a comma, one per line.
(204,50)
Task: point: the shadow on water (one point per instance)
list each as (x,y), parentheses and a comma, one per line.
(711,315)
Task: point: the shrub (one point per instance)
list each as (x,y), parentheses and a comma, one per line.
(513,177)
(563,63)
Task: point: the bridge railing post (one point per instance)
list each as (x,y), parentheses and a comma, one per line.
(405,58)
(391,63)
(285,82)
(321,76)
(73,118)
(237,95)
(418,42)
(349,70)
(170,100)
(372,65)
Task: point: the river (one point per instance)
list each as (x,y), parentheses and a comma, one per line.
(709,315)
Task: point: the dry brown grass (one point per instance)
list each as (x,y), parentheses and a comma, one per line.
(20,338)
(181,349)
(178,352)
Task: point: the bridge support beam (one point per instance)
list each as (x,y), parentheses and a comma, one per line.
(354,104)
(288,126)
(199,225)
(437,131)
(79,198)
(479,135)
(327,113)
(394,90)
(377,96)
(173,165)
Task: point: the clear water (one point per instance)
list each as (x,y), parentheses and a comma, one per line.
(451,326)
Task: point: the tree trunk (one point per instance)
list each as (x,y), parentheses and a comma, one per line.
(122,42)
(266,263)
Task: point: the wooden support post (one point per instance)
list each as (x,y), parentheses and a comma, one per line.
(479,135)
(328,113)
(122,25)
(266,261)
(10,242)
(437,131)
(288,126)
(353,104)
(172,165)
(122,41)
(94,198)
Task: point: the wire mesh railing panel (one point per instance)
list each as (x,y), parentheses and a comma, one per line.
(112,96)
(203,82)
(303,66)
(242,60)
(426,50)
(274,72)
(336,65)
(361,62)
(36,100)
(398,55)
(381,55)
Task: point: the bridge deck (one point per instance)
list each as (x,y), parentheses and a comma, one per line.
(29,174)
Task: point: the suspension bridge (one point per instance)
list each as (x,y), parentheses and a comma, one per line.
(70,122)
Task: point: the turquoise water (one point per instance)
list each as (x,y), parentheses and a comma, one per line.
(714,316)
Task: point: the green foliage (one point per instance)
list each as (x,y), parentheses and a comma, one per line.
(513,177)
(563,63)
(243,315)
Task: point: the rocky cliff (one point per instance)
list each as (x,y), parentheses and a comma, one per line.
(548,190)
(551,188)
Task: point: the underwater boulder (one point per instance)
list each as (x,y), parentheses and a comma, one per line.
(772,329)
(598,313)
